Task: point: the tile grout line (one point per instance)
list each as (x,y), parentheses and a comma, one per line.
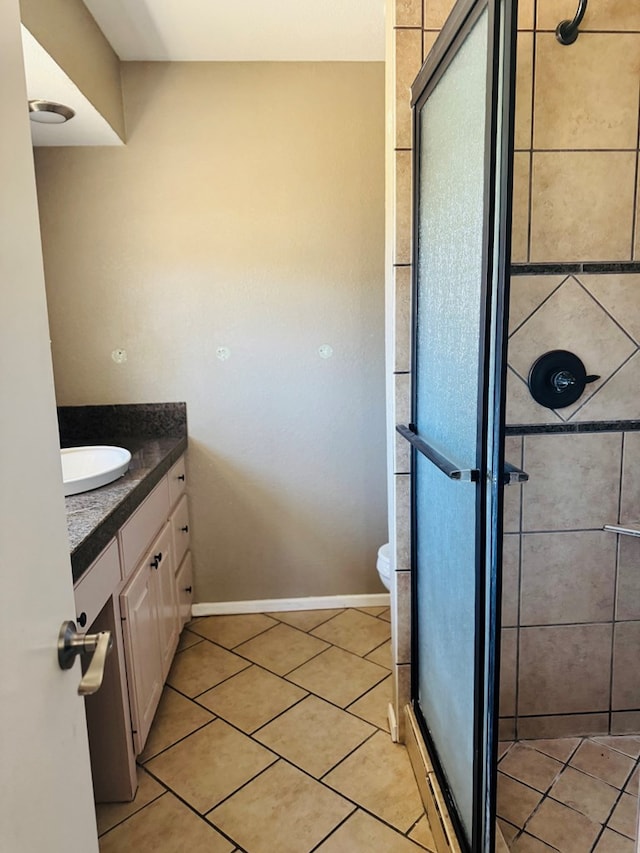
(137,811)
(276,757)
(567,765)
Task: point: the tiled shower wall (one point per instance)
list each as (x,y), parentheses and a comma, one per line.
(575,201)
(576,136)
(571,598)
(570,605)
(571,594)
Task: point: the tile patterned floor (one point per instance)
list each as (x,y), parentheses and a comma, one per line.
(272,737)
(572,795)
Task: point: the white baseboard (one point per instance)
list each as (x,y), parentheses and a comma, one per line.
(275,605)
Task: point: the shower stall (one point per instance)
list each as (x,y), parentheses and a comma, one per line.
(523,588)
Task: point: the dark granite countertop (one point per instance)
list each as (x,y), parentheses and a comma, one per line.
(93,518)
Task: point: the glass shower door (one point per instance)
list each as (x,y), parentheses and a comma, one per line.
(461,157)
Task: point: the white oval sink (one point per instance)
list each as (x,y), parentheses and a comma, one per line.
(85,468)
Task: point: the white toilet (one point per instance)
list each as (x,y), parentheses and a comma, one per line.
(384,564)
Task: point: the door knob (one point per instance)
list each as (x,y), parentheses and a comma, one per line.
(71,643)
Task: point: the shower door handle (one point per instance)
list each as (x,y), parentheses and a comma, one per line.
(512,475)
(453,471)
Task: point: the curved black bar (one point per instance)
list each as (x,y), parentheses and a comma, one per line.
(567,31)
(454,472)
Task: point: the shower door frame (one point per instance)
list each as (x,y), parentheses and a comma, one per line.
(496,253)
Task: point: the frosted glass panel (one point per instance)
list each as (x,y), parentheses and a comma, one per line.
(446,550)
(449,261)
(450,217)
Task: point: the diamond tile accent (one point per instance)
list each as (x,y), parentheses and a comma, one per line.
(619,295)
(587,331)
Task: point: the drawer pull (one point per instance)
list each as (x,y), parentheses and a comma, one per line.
(188,589)
(156,560)
(180,477)
(82,619)
(185,529)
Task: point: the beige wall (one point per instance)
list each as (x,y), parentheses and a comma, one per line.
(246,212)
(69,34)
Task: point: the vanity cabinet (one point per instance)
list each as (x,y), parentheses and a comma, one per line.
(141,587)
(149,602)
(150,630)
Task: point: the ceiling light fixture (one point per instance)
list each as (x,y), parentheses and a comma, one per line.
(48,112)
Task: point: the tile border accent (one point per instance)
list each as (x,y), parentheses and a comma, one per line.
(274,605)
(571,268)
(577,427)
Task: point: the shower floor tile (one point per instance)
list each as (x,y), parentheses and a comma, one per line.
(571,795)
(244,758)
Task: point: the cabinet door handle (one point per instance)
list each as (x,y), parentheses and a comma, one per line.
(188,589)
(185,529)
(180,476)
(156,560)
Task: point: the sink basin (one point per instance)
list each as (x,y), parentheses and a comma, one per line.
(85,468)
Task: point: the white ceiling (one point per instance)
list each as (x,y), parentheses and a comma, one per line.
(243,30)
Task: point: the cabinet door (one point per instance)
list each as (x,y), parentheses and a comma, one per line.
(180,528)
(177,478)
(184,587)
(138,604)
(168,629)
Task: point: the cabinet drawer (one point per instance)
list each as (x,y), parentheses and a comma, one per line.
(136,534)
(184,586)
(180,530)
(177,481)
(97,585)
